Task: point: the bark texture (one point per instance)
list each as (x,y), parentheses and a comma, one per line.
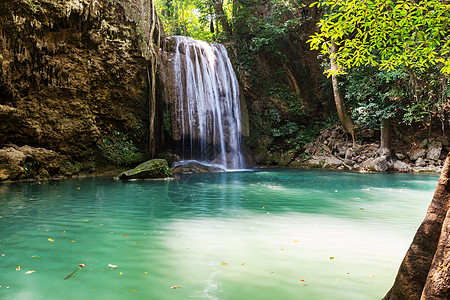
(344,117)
(386,138)
(424,272)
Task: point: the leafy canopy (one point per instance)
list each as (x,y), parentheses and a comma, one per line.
(386,33)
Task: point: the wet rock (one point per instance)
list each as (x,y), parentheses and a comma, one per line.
(152,169)
(417,153)
(434,150)
(194,167)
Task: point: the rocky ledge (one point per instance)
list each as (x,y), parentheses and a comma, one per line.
(25,162)
(331,151)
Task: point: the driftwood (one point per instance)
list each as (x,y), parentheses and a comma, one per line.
(425,270)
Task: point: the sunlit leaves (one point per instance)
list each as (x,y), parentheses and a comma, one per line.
(386,34)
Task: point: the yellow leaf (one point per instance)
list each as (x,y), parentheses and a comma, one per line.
(51,240)
(224,264)
(18,268)
(295,241)
(175,287)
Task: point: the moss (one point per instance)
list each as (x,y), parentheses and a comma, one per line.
(155,168)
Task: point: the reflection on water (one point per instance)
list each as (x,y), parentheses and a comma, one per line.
(275,234)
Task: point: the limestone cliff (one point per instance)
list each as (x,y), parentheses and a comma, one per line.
(74,72)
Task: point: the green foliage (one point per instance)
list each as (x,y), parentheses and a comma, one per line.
(374,95)
(117,149)
(386,34)
(294,135)
(192,18)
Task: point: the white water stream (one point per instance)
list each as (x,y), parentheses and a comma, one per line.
(206,105)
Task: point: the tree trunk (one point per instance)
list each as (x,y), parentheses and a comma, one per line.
(386,138)
(424,272)
(343,115)
(220,14)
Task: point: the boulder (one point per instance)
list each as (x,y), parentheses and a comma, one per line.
(194,167)
(420,162)
(401,166)
(434,150)
(152,169)
(286,157)
(399,155)
(332,162)
(380,164)
(416,153)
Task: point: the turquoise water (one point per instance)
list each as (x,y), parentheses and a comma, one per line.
(272,234)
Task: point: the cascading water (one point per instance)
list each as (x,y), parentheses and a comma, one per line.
(204,101)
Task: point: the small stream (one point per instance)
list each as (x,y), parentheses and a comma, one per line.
(267,234)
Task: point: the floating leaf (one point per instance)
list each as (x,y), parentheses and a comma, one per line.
(302,280)
(242,264)
(296,241)
(224,264)
(29,272)
(120,273)
(126,235)
(132,290)
(18,268)
(175,287)
(370,275)
(331,257)
(112,266)
(82,265)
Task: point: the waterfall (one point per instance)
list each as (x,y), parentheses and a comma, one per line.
(204,99)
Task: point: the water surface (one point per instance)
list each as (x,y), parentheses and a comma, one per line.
(272,234)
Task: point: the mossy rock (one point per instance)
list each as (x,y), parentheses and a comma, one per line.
(152,169)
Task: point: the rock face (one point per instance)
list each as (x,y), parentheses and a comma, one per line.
(152,169)
(73,72)
(25,162)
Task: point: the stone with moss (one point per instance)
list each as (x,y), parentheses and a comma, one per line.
(152,169)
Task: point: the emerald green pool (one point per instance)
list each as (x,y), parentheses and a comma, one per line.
(271,234)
